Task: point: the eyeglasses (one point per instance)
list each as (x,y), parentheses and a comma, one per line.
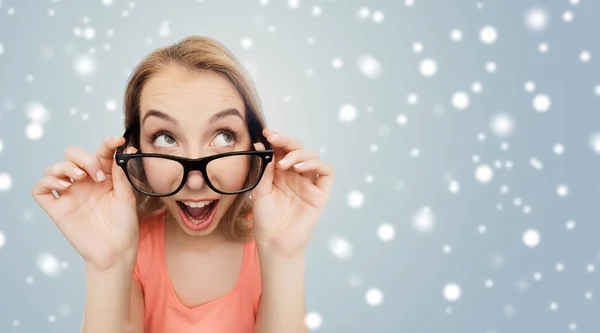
(161,175)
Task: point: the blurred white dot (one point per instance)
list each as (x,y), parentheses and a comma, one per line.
(590,268)
(504,146)
(536,19)
(374,297)
(562,190)
(369,66)
(454,186)
(355,199)
(572,326)
(1,145)
(10,11)
(559,149)
(5,181)
(386,232)
(246,43)
(484,173)
(337,63)
(588,295)
(378,16)
(401,119)
(456,35)
(48,264)
(107,2)
(460,100)
(85,65)
(585,56)
(570,225)
(447,249)
(317,11)
(37,112)
(310,40)
(347,113)
(364,12)
(264,2)
(475,159)
(509,310)
(415,152)
(481,137)
(412,98)
(34,131)
(502,124)
(409,3)
(29,280)
(531,238)
(476,87)
(567,16)
(340,247)
(111,105)
(51,318)
(293,4)
(313,320)
(543,47)
(541,103)
(482,229)
(417,47)
(369,178)
(452,292)
(423,220)
(489,283)
(1,48)
(529,86)
(2,239)
(89,33)
(535,163)
(553,306)
(488,34)
(504,189)
(373,148)
(537,276)
(16,323)
(574,2)
(491,67)
(527,209)
(428,67)
(517,202)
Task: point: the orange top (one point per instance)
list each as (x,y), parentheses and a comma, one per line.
(164,313)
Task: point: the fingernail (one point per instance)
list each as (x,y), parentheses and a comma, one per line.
(283,161)
(299,165)
(78,171)
(100,175)
(64,183)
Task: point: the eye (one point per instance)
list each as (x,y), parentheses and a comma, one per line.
(164,140)
(225,138)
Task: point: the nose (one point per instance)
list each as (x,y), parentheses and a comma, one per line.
(195,180)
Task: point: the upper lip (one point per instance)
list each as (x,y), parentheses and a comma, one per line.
(197,200)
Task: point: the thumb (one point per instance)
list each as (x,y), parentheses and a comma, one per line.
(265,186)
(122,187)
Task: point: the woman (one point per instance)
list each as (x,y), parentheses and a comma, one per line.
(197,218)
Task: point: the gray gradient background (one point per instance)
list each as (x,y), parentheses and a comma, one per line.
(412,269)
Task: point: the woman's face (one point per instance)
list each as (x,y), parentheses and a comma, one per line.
(193,115)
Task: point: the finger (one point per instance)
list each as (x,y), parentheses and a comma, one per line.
(325,172)
(65,169)
(122,187)
(86,161)
(106,152)
(282,141)
(42,190)
(296,156)
(265,185)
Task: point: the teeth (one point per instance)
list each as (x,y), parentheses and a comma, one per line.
(197,204)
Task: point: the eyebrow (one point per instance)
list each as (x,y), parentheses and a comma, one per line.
(217,116)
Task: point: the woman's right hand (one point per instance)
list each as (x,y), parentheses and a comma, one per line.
(97,211)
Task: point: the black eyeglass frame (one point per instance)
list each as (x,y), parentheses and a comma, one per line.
(189,164)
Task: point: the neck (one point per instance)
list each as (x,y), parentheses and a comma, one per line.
(194,243)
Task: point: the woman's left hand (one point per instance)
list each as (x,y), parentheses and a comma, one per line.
(289,200)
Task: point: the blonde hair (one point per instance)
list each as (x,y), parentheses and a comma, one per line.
(199,53)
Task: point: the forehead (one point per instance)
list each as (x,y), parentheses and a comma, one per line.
(183,93)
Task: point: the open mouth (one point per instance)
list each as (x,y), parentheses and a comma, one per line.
(197,212)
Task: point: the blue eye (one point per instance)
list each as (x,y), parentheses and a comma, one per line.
(163,140)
